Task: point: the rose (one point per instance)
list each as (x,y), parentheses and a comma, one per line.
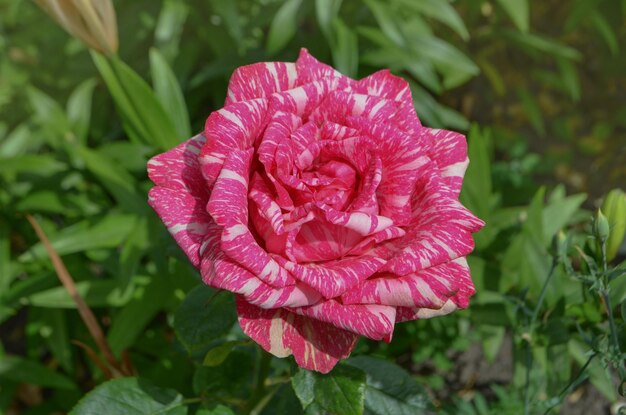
(324,204)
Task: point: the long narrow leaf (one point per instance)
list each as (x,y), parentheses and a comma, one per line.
(143,116)
(168,92)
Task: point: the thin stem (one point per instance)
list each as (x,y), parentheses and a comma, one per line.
(572,384)
(542,296)
(531,330)
(529,363)
(264,401)
(68,282)
(263,371)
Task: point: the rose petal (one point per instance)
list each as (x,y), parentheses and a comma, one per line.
(310,69)
(403,161)
(302,100)
(180,195)
(449,152)
(269,210)
(333,278)
(428,288)
(179,168)
(235,126)
(384,84)
(185,218)
(315,345)
(260,80)
(410,314)
(366,200)
(439,231)
(362,223)
(228,206)
(339,105)
(221,272)
(373,321)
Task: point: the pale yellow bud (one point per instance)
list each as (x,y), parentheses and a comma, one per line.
(92,21)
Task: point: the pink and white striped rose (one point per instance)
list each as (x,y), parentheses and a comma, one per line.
(324,205)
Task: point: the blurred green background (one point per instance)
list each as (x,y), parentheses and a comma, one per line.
(540,87)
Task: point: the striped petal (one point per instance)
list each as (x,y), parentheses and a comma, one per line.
(310,69)
(410,314)
(439,231)
(372,321)
(180,195)
(219,271)
(428,288)
(449,152)
(384,84)
(315,345)
(228,206)
(333,278)
(260,80)
(234,127)
(179,168)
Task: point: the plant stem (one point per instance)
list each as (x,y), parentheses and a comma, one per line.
(542,296)
(263,370)
(531,331)
(83,309)
(572,384)
(529,362)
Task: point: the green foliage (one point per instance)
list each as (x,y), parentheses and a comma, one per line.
(132,396)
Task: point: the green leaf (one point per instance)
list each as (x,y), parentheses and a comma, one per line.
(386,21)
(218,410)
(95,293)
(599,375)
(455,67)
(204,316)
(17,142)
(6,274)
(283,26)
(517,11)
(543,44)
(606,32)
(493,314)
(614,207)
(56,335)
(49,114)
(130,396)
(169,27)
(232,379)
(303,383)
(326,12)
(439,10)
(42,201)
(558,213)
(115,178)
(396,59)
(38,164)
(532,110)
(339,392)
(79,109)
(389,389)
(227,10)
(83,236)
(168,92)
(569,78)
(217,355)
(346,50)
(18,369)
(144,118)
(133,318)
(477,193)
